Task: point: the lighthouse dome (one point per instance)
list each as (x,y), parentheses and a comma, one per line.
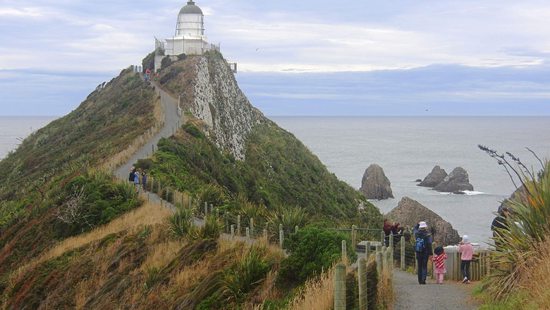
(191,8)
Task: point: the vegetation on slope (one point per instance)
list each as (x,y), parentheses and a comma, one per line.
(106,123)
(520,268)
(50,190)
(278,172)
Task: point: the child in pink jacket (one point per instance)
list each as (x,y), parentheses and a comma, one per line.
(439,264)
(467,252)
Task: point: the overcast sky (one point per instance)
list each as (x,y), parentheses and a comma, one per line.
(295,57)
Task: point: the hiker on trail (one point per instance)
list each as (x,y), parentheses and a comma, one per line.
(439,259)
(499,224)
(136,180)
(144,180)
(466,251)
(132,175)
(391,228)
(423,249)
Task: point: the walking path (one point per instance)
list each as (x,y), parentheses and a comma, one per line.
(411,295)
(172,121)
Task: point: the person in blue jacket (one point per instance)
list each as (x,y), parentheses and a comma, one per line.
(423,249)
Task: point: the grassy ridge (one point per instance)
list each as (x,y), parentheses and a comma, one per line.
(279,171)
(49,173)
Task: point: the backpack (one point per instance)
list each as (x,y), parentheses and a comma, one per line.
(419,245)
(131,177)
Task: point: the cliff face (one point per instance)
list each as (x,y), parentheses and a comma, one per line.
(209,91)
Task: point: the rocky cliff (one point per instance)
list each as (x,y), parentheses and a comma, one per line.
(457,181)
(436,176)
(208,90)
(375,184)
(409,212)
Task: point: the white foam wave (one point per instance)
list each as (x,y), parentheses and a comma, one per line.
(473,193)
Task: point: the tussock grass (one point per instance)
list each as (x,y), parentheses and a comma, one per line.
(318,293)
(385,293)
(148,214)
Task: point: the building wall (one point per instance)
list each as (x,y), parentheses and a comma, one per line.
(190,24)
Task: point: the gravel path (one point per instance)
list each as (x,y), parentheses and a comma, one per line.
(172,121)
(411,295)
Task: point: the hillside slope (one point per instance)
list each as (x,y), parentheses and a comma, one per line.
(227,154)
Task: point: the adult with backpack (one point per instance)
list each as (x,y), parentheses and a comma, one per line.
(423,249)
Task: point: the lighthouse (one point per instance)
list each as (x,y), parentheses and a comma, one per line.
(188,39)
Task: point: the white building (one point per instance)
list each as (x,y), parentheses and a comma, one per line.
(189,38)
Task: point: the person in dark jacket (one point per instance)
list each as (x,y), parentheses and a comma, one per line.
(423,254)
(499,224)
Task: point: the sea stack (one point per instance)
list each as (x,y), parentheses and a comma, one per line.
(375,184)
(409,212)
(434,178)
(456,181)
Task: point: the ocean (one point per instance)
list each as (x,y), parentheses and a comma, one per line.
(407,148)
(13,129)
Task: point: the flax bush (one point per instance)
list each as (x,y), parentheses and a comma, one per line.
(528,226)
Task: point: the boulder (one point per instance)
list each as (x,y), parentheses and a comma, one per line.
(434,178)
(456,181)
(409,212)
(375,184)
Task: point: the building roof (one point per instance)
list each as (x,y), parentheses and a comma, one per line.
(191,8)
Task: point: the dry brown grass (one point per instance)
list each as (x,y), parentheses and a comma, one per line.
(536,281)
(318,293)
(385,290)
(162,254)
(148,214)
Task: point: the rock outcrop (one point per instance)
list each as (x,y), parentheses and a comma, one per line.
(375,184)
(434,178)
(208,91)
(409,212)
(456,181)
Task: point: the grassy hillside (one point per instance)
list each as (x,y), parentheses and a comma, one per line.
(279,171)
(48,191)
(73,237)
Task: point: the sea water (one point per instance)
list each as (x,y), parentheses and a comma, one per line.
(13,129)
(407,148)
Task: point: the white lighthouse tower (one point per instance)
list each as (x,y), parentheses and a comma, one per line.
(189,37)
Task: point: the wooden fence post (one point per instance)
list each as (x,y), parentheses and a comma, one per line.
(382,237)
(391,247)
(252,227)
(344,252)
(238,225)
(281,236)
(378,261)
(402,244)
(205,209)
(248,233)
(340,287)
(367,249)
(363,296)
(353,236)
(232,231)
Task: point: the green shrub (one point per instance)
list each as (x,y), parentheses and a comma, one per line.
(181,222)
(311,250)
(91,200)
(246,274)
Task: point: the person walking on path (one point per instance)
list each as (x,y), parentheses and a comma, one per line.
(144,180)
(439,259)
(136,180)
(423,249)
(466,251)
